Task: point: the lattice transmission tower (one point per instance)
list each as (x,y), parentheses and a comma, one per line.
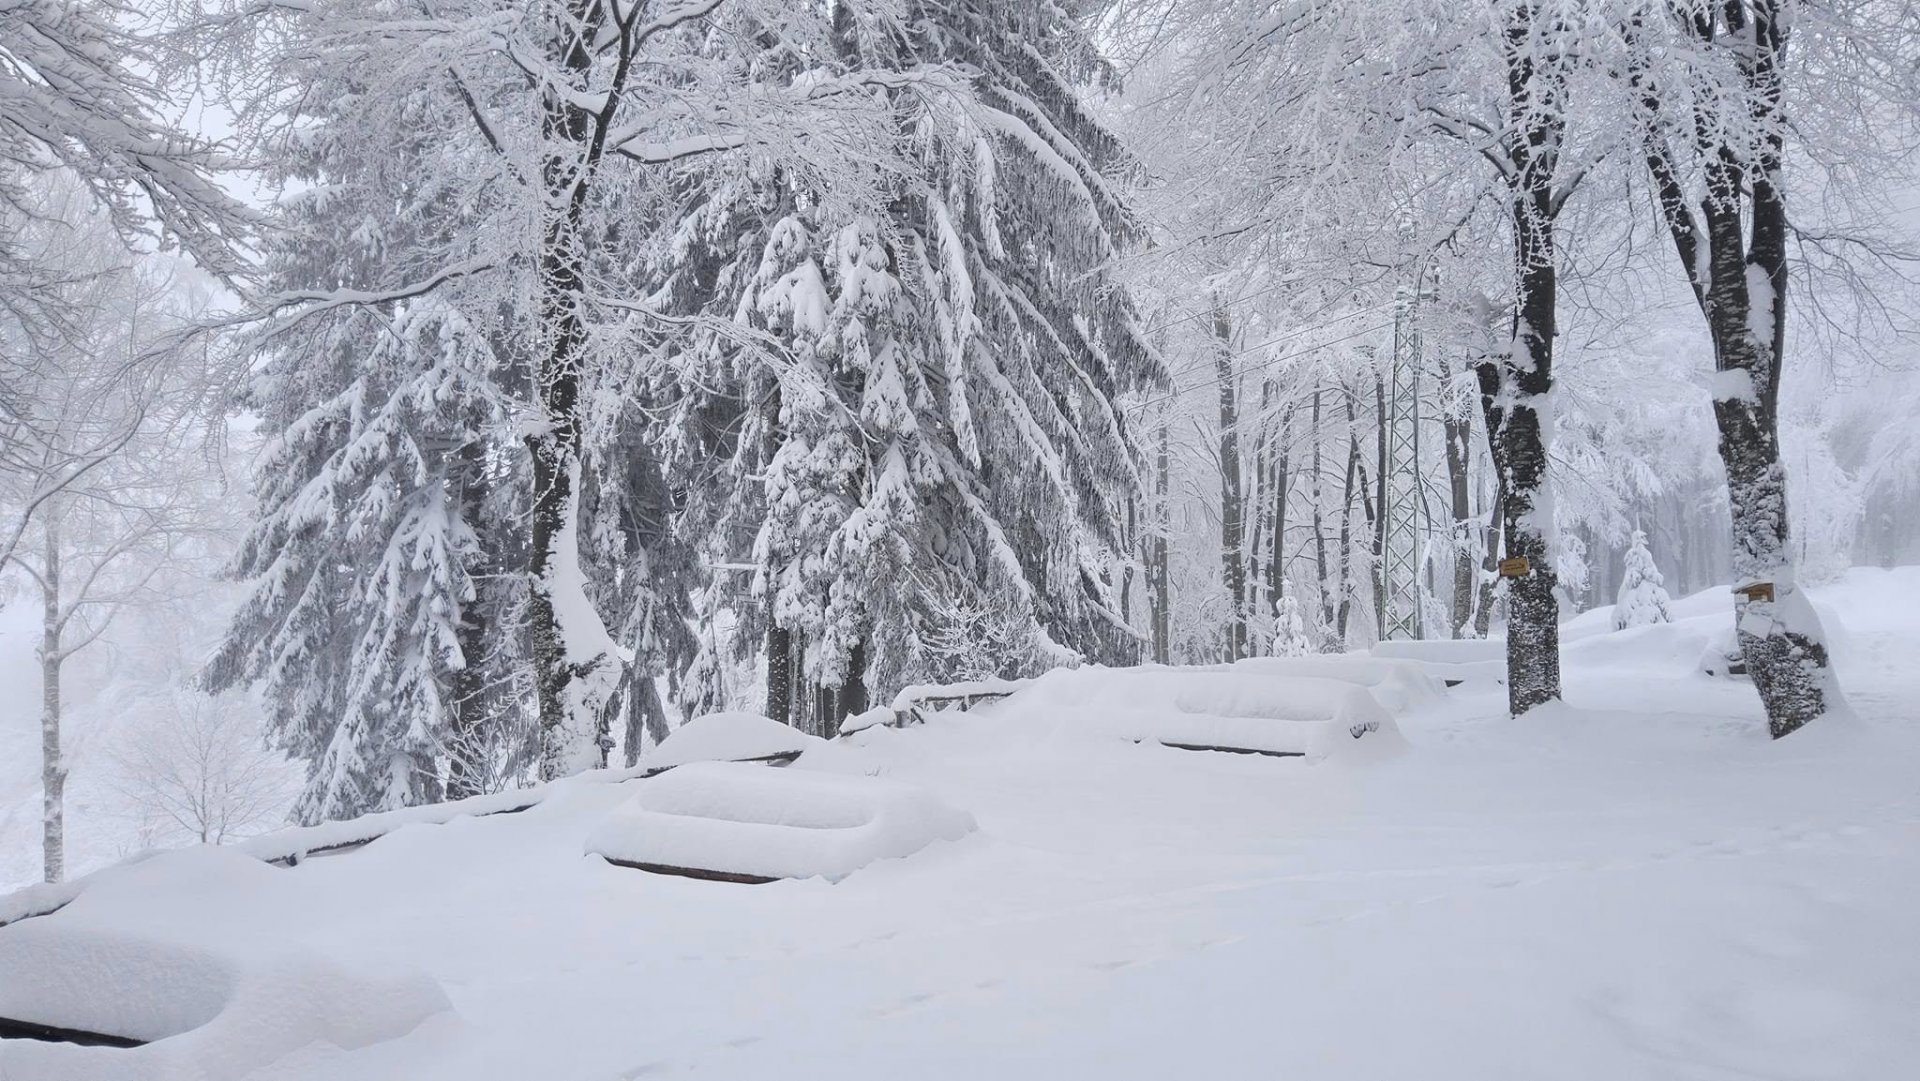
(1403,512)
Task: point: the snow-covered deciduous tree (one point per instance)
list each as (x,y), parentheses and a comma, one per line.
(106,392)
(84,124)
(200,771)
(1711,86)
(1642,598)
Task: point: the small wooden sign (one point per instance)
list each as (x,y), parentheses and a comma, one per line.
(1515,567)
(1756,591)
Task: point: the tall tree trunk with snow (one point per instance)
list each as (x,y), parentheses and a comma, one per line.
(1159,558)
(574,664)
(1276,539)
(1458,430)
(779,672)
(471,705)
(1738,272)
(1516,388)
(1319,532)
(53,769)
(1233,502)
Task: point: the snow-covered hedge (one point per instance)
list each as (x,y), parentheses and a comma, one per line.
(740,820)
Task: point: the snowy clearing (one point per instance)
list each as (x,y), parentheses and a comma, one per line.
(1637,885)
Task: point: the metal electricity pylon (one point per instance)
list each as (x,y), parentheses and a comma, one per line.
(1403,512)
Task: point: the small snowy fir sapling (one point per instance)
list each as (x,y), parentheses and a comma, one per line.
(1641,599)
(1289,627)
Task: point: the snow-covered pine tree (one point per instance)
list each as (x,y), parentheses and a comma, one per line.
(366,626)
(991,344)
(1642,598)
(363,559)
(1290,627)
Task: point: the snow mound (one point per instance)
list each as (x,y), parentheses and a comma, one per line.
(728,737)
(214,1017)
(1226,709)
(1444,650)
(290,846)
(726,818)
(108,982)
(1397,684)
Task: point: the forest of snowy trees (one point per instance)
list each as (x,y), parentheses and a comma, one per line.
(468,392)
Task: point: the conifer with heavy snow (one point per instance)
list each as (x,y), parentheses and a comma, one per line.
(1641,599)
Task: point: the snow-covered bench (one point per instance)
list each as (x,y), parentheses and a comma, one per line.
(1243,711)
(142,1004)
(1452,661)
(1395,683)
(716,737)
(916,703)
(730,822)
(728,737)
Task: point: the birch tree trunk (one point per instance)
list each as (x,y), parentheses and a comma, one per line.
(53,770)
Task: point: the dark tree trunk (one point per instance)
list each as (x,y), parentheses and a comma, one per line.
(1276,561)
(1232,493)
(1489,565)
(466,775)
(1515,388)
(646,716)
(854,695)
(1319,530)
(1347,494)
(1159,571)
(779,672)
(1740,282)
(1458,432)
(554,447)
(1378,522)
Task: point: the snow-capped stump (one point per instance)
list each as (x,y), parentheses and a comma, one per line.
(736,823)
(728,737)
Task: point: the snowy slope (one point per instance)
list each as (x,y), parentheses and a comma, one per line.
(1638,885)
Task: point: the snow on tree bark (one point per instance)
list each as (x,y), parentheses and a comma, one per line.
(1738,129)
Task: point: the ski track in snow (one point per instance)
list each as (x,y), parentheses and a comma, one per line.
(1659,893)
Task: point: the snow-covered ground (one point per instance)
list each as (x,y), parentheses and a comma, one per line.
(1637,885)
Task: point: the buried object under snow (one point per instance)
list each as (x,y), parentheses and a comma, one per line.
(147,1009)
(728,737)
(739,823)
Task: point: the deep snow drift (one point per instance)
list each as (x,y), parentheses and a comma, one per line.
(1636,885)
